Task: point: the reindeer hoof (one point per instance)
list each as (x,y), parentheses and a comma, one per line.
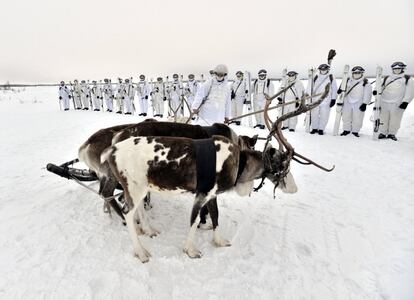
(193,252)
(152,232)
(144,256)
(205,226)
(222,243)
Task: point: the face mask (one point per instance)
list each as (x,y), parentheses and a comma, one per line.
(220,78)
(397,71)
(324,72)
(356,75)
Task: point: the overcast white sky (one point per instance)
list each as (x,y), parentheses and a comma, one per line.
(50,40)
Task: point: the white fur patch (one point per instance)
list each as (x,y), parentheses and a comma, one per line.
(289,186)
(222,154)
(245,188)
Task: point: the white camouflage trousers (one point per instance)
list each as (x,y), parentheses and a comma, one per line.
(352,116)
(237,106)
(292,122)
(109,102)
(390,118)
(158,104)
(143,105)
(85,100)
(258,104)
(128,105)
(320,117)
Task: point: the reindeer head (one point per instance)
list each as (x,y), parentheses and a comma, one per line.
(277,169)
(277,161)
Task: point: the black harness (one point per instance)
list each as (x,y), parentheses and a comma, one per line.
(242,165)
(205,164)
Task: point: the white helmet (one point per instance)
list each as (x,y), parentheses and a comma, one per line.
(221,70)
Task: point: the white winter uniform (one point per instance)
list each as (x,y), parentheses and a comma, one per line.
(190,91)
(97,98)
(85,94)
(320,114)
(159,93)
(216,99)
(120,96)
(175,91)
(393,95)
(76,90)
(357,92)
(64,96)
(240,89)
(129,98)
(294,93)
(109,95)
(261,87)
(143,92)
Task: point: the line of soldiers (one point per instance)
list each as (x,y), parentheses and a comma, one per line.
(120,97)
(215,100)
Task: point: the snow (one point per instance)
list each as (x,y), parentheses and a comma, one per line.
(345,235)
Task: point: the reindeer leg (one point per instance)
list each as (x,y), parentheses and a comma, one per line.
(147,202)
(139,250)
(145,224)
(107,187)
(213,209)
(203,219)
(189,248)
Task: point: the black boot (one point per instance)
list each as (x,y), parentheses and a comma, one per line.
(238,123)
(314,131)
(381,136)
(320,132)
(257,125)
(119,112)
(262,127)
(355,134)
(144,114)
(392,137)
(292,130)
(346,132)
(284,127)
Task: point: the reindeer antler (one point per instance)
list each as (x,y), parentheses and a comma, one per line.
(276,131)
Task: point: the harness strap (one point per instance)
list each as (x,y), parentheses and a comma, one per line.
(242,165)
(205,164)
(347,93)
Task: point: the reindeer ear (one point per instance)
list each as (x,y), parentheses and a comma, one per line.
(253,140)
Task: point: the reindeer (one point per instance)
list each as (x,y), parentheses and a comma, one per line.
(91,151)
(169,165)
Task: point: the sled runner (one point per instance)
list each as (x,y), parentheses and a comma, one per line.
(64,170)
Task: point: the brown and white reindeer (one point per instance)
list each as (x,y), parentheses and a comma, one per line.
(170,165)
(91,150)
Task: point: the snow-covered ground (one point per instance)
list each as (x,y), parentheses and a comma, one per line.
(348,234)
